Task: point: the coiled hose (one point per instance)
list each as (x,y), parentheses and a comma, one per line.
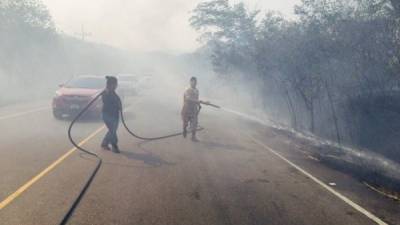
(72,208)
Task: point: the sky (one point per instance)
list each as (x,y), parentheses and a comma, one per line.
(140,25)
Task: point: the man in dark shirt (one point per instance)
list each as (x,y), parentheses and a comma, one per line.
(111,109)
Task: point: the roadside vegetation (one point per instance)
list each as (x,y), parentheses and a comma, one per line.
(332,70)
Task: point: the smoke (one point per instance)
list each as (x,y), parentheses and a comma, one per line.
(150,25)
(42,59)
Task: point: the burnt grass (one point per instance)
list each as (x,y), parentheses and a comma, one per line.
(364,169)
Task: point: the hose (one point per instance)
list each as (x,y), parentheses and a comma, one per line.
(71,210)
(98,165)
(153,138)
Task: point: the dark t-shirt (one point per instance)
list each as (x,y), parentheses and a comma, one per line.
(111,104)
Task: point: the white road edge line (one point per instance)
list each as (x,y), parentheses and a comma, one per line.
(23,113)
(316,180)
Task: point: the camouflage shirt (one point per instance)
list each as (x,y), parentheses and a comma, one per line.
(190,102)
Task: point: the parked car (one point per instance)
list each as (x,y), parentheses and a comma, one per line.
(74,95)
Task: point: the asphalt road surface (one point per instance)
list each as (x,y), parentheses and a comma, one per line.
(239,173)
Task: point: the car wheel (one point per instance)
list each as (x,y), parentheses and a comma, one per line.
(57,114)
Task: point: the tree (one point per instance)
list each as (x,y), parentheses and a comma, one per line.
(396,7)
(28,34)
(339,58)
(230,31)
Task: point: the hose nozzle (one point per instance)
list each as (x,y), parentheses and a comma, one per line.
(210,104)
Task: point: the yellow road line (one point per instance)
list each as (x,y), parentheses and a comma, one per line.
(322,184)
(24,187)
(22,113)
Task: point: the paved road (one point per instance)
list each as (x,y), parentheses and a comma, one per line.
(239,173)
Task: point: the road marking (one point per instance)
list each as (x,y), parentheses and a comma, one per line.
(316,180)
(22,113)
(23,188)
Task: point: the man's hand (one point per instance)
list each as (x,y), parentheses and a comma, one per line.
(205,102)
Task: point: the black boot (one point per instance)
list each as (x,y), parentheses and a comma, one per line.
(184,133)
(115,148)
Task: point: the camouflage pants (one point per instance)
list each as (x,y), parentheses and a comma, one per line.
(190,119)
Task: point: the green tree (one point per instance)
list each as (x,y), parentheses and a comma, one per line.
(230,30)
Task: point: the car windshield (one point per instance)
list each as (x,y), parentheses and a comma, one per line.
(86,82)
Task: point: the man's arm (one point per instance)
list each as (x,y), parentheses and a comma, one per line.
(119,103)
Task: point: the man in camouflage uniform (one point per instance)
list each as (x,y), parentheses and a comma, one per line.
(191,108)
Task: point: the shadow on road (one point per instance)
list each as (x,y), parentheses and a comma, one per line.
(224,146)
(147,158)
